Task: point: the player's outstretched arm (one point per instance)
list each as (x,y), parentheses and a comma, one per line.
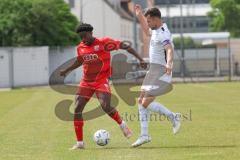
(77,63)
(142,19)
(135,54)
(169,52)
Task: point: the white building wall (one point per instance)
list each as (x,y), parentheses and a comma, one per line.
(93,14)
(126,30)
(76,9)
(188,10)
(112,23)
(103,18)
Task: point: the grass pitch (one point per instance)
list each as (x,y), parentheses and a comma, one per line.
(29,128)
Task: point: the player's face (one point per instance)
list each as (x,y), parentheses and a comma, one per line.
(86,37)
(152,22)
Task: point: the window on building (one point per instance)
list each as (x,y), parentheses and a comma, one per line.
(202,24)
(165,2)
(190,24)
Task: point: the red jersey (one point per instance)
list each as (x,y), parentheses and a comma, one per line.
(96,58)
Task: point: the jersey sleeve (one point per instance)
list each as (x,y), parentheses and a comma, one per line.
(111,44)
(166,38)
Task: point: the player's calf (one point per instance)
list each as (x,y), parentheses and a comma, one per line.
(113,113)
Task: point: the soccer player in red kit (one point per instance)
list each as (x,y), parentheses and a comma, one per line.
(94,55)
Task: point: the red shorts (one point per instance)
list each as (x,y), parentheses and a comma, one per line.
(87,89)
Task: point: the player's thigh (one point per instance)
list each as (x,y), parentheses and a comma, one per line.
(83,95)
(104,98)
(105,101)
(81,101)
(103,93)
(142,94)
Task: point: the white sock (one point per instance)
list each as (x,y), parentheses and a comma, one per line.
(79,142)
(159,108)
(143,117)
(123,124)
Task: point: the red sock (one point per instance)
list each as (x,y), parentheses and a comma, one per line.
(78,125)
(117,117)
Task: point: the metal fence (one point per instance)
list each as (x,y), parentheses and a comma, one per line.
(197,63)
(206,62)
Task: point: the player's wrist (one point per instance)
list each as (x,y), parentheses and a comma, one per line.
(169,65)
(141,60)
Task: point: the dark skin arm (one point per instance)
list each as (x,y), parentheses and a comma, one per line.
(132,51)
(73,66)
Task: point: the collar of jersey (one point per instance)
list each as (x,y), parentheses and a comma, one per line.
(85,46)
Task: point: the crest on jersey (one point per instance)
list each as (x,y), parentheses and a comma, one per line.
(96,48)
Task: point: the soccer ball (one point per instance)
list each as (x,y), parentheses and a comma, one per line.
(101,137)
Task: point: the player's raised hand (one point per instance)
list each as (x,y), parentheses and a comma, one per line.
(138,9)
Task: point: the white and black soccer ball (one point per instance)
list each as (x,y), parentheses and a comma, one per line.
(101,137)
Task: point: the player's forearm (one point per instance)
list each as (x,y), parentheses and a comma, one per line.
(75,65)
(170,57)
(134,53)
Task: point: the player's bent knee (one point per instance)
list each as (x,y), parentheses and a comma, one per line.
(108,109)
(104,106)
(146,102)
(139,100)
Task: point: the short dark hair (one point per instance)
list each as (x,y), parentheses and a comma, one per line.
(153,12)
(84,27)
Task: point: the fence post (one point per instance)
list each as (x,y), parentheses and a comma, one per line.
(229,60)
(11,67)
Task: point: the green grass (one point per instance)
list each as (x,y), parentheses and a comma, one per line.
(29,129)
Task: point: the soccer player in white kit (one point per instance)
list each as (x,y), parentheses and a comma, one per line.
(158,79)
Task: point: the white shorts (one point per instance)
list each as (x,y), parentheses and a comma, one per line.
(156,81)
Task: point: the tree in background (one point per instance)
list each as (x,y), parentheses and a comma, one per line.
(225,16)
(37,23)
(188,43)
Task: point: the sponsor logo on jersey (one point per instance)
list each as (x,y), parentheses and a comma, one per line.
(96,48)
(90,57)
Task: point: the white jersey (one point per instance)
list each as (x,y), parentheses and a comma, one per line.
(160,37)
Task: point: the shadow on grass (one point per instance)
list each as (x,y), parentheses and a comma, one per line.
(168,147)
(189,147)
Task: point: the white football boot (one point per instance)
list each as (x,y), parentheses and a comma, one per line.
(77,146)
(176,123)
(142,140)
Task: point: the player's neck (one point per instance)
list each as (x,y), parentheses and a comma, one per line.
(160,24)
